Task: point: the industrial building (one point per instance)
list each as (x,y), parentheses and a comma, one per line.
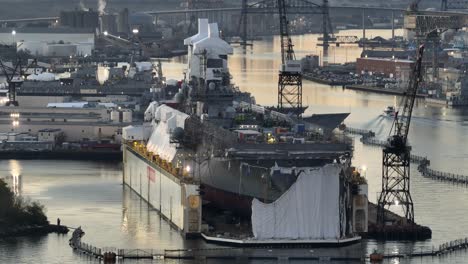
(385,66)
(76,124)
(57,42)
(79,19)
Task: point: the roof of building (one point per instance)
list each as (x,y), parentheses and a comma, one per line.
(400,54)
(50,130)
(388,59)
(44,30)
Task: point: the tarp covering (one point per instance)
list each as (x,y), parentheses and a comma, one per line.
(166,119)
(310,209)
(43,77)
(133,133)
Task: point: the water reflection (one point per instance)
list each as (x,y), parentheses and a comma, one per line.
(13,178)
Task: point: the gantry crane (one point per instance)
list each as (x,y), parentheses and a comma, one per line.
(290,75)
(396,154)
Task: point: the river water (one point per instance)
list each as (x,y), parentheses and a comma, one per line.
(91,194)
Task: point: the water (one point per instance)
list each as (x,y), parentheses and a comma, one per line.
(91,194)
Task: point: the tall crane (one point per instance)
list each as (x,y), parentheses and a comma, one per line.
(290,75)
(396,154)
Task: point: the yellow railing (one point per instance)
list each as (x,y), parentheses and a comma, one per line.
(140,148)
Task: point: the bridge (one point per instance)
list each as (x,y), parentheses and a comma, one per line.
(239,9)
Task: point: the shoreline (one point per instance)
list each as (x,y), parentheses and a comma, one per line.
(63,155)
(33,230)
(373,89)
(326,81)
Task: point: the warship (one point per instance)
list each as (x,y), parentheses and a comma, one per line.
(211,146)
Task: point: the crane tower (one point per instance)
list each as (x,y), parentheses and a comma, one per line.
(290,75)
(396,154)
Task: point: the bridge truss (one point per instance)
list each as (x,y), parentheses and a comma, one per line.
(295,7)
(453,5)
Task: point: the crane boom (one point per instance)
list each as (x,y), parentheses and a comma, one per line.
(402,121)
(287,51)
(290,75)
(396,155)
(15,78)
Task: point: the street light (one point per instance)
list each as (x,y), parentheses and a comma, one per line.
(13,33)
(135,31)
(106,33)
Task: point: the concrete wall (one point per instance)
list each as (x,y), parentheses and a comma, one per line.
(39,101)
(49,136)
(73,132)
(162,191)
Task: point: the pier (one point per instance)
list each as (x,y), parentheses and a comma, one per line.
(257,253)
(441,250)
(442,176)
(368,138)
(368,88)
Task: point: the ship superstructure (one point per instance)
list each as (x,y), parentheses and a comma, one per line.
(243,158)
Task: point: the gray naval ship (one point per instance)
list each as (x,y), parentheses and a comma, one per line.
(239,153)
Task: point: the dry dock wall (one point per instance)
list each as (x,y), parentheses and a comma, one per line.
(178,202)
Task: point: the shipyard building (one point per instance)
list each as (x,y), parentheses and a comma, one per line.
(51,42)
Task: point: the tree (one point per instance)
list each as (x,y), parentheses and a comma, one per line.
(16,211)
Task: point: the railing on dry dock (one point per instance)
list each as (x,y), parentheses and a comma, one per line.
(140,253)
(88,249)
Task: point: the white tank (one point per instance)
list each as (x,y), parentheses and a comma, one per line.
(127,116)
(115,116)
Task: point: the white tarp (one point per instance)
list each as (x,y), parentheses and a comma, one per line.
(133,133)
(166,119)
(42,77)
(310,209)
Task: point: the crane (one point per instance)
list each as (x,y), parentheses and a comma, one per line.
(396,154)
(290,75)
(14,77)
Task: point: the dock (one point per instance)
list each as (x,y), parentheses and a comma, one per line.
(427,172)
(258,253)
(327,81)
(373,89)
(439,251)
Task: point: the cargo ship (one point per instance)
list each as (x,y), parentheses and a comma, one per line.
(210,149)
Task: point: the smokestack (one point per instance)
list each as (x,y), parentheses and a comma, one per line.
(202,32)
(203,26)
(213,31)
